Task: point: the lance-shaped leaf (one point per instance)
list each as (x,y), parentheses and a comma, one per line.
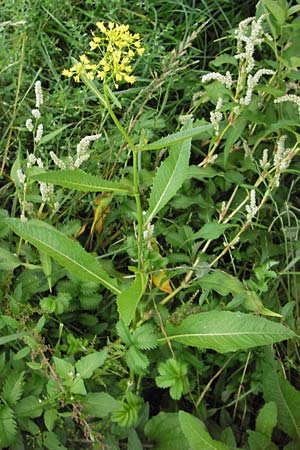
(170,176)
(64,250)
(177,138)
(128,299)
(80,181)
(225,331)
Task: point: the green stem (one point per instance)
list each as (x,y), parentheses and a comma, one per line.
(139,211)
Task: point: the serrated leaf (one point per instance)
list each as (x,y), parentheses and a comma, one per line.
(225,331)
(64,250)
(197,436)
(165,430)
(128,299)
(123,333)
(8,430)
(267,419)
(99,404)
(177,138)
(136,360)
(144,337)
(276,388)
(88,364)
(13,388)
(170,176)
(81,181)
(28,407)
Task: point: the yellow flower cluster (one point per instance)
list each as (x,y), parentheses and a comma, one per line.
(117,47)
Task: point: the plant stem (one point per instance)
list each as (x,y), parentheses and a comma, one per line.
(139,211)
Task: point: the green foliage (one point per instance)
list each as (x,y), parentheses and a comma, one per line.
(173,375)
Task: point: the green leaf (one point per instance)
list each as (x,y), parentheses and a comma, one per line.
(51,442)
(267,419)
(165,430)
(11,337)
(8,261)
(99,404)
(225,331)
(144,337)
(64,250)
(128,299)
(233,134)
(134,442)
(177,138)
(211,230)
(79,180)
(170,176)
(88,364)
(48,137)
(76,386)
(278,9)
(222,283)
(50,417)
(197,436)
(13,388)
(259,441)
(172,374)
(136,360)
(64,369)
(276,388)
(28,407)
(8,430)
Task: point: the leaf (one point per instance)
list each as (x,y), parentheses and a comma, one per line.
(88,364)
(51,442)
(11,337)
(170,176)
(144,337)
(13,388)
(50,417)
(164,429)
(172,374)
(8,430)
(278,9)
(197,436)
(99,404)
(48,137)
(64,369)
(8,261)
(259,441)
(233,134)
(79,180)
(28,407)
(128,299)
(160,280)
(136,360)
(64,250)
(267,419)
(225,331)
(177,138)
(211,230)
(276,388)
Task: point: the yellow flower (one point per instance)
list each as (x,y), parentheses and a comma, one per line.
(117,48)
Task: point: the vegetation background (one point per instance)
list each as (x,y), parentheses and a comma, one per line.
(181,334)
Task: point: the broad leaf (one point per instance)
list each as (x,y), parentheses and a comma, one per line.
(128,299)
(8,261)
(8,430)
(276,388)
(211,230)
(88,364)
(28,407)
(164,429)
(64,250)
(64,369)
(170,176)
(99,404)
(79,180)
(177,138)
(197,436)
(267,419)
(13,388)
(225,331)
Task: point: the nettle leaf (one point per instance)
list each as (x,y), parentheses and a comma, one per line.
(8,429)
(88,364)
(225,331)
(28,407)
(129,298)
(13,388)
(136,360)
(124,333)
(64,250)
(178,137)
(170,176)
(81,181)
(196,434)
(144,337)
